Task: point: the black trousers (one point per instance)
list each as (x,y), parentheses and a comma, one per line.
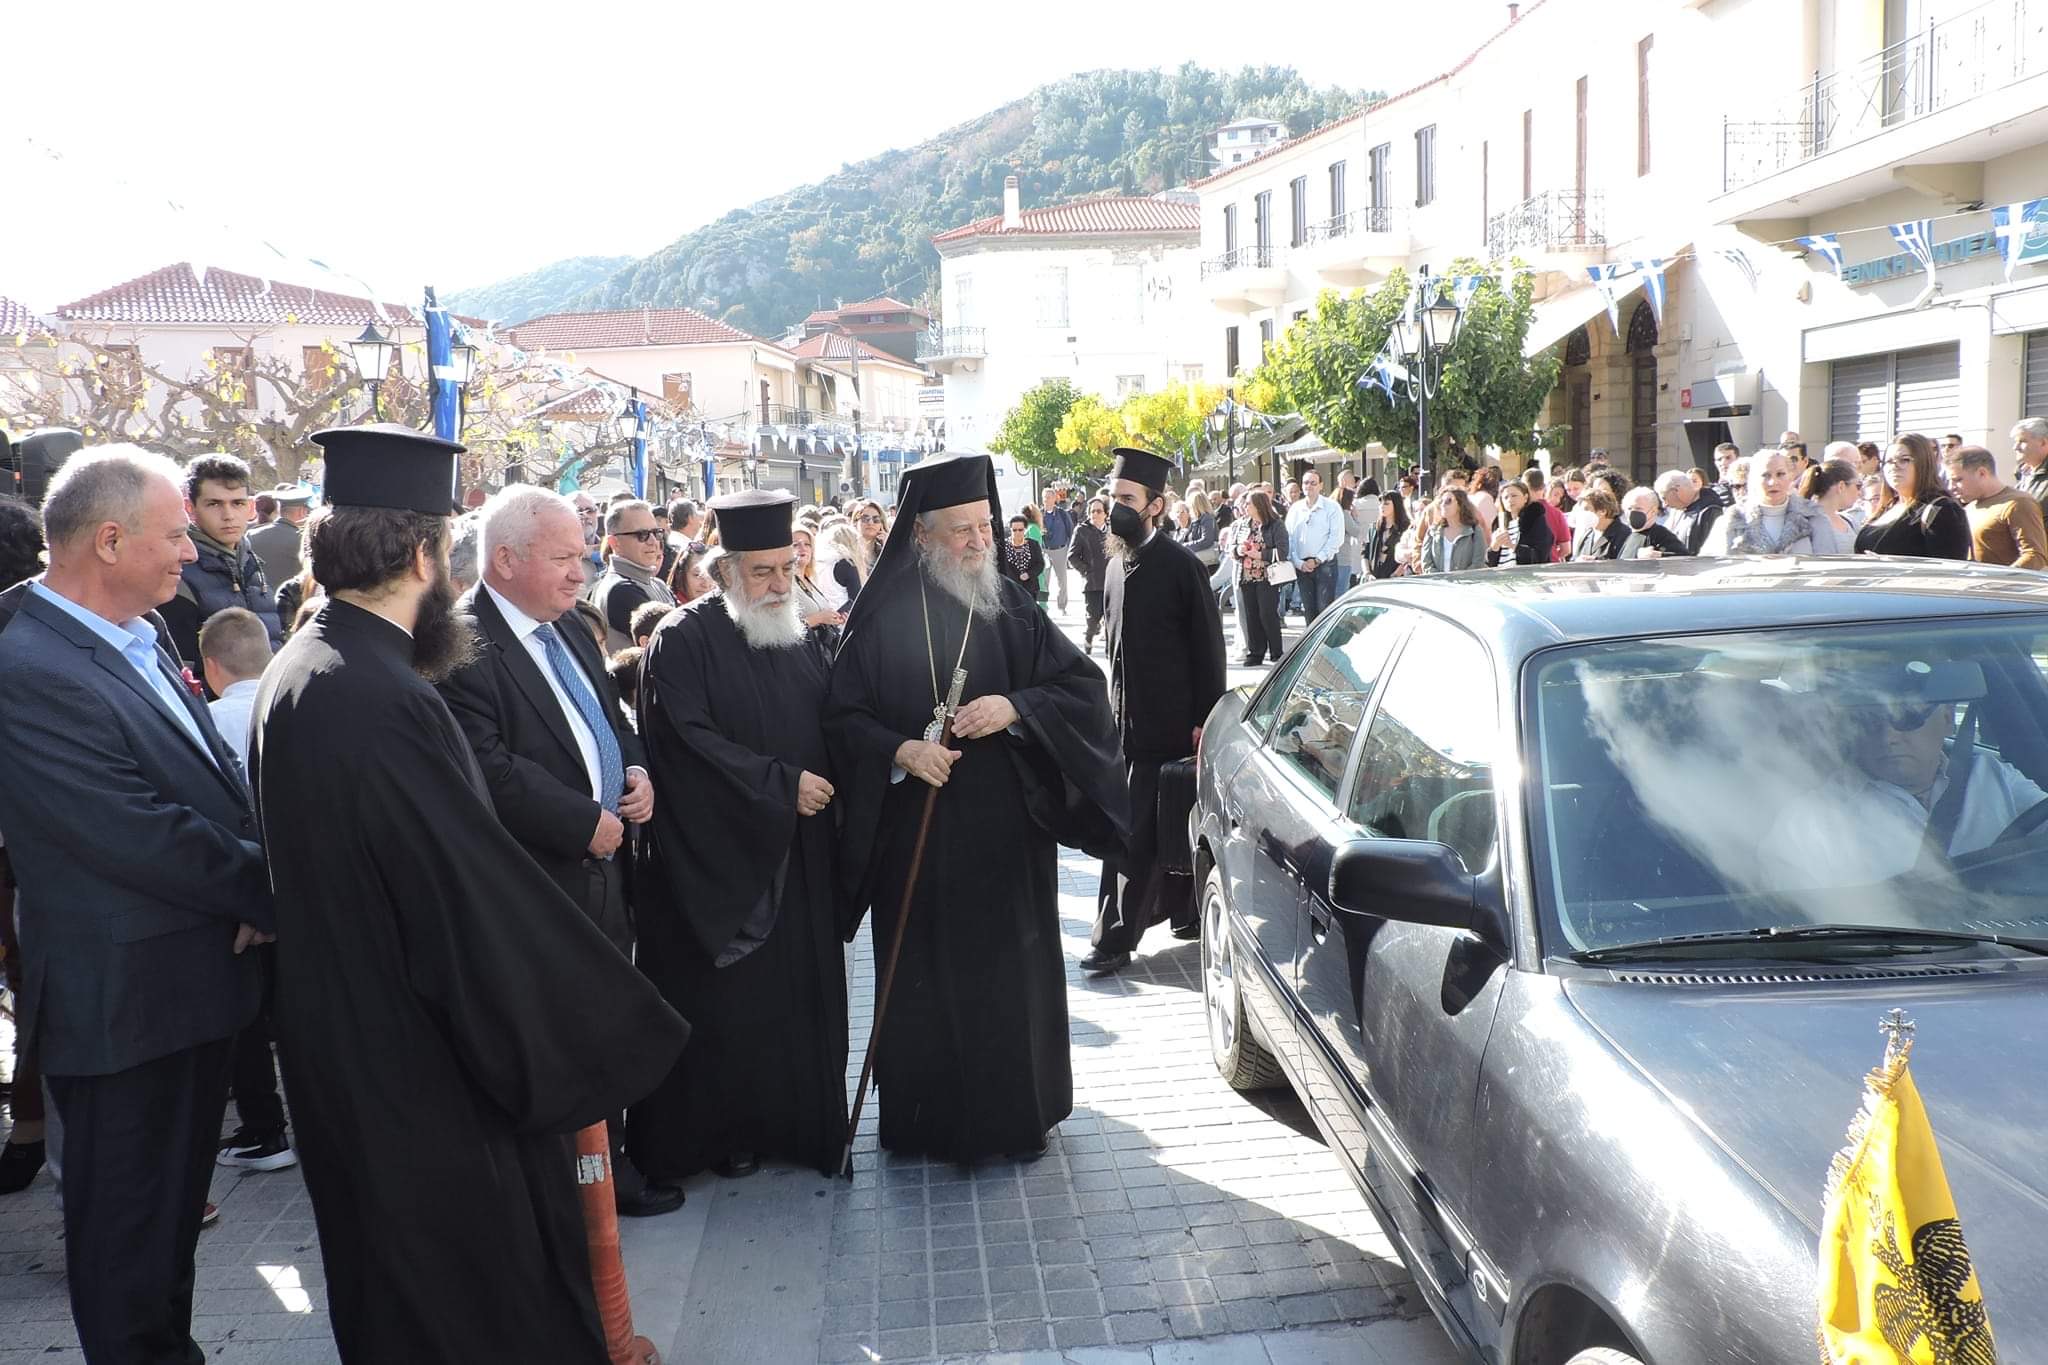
(254,1073)
(1135,892)
(1258,620)
(1093,597)
(138,1153)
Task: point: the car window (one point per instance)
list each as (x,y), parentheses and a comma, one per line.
(1278,682)
(1427,768)
(1319,716)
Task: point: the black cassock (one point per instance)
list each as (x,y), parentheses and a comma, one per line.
(728,730)
(1166,670)
(973,1058)
(447,1018)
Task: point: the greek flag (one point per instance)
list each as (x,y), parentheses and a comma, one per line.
(446,393)
(1377,376)
(1828,245)
(1604,281)
(1739,258)
(1463,287)
(2021,227)
(1652,272)
(1916,239)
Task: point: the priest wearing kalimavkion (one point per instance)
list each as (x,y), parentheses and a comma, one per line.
(447,1018)
(740,927)
(972,1060)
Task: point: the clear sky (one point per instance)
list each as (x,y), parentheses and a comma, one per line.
(426,142)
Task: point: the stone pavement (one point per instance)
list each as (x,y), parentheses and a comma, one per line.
(1173,1222)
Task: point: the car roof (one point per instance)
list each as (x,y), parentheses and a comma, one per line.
(1523,610)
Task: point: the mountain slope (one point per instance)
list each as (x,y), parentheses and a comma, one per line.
(867,229)
(537,291)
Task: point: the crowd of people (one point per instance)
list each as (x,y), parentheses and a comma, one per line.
(351,813)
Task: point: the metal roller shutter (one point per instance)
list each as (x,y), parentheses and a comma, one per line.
(2037,375)
(1930,391)
(1860,399)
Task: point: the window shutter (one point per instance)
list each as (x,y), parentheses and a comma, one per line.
(2036,400)
(1859,400)
(1929,388)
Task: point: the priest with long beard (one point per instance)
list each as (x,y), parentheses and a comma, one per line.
(972,1061)
(741,928)
(447,1018)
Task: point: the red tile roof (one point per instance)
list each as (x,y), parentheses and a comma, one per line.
(838,346)
(625,327)
(884,304)
(1110,214)
(18,319)
(177,293)
(1372,108)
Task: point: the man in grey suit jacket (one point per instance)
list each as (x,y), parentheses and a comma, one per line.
(142,881)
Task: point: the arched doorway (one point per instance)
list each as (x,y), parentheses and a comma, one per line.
(1577,379)
(1642,354)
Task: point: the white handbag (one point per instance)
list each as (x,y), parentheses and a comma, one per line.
(1280,573)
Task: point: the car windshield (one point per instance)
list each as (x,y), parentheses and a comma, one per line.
(1886,775)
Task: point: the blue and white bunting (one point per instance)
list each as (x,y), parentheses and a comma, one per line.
(1652,272)
(1916,239)
(2016,225)
(1828,245)
(1463,287)
(1604,280)
(1739,258)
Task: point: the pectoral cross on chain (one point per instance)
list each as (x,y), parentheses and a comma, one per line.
(947,709)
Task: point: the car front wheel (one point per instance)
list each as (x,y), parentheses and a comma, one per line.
(1603,1355)
(1239,1057)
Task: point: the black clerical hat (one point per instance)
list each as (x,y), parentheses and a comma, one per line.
(948,482)
(757,519)
(387,465)
(1141,467)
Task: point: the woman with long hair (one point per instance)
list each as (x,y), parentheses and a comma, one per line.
(821,618)
(1521,530)
(689,579)
(1834,490)
(1260,545)
(1918,518)
(873,525)
(846,563)
(1199,535)
(1384,537)
(1455,542)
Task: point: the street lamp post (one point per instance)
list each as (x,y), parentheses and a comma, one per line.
(462,360)
(372,355)
(1223,423)
(1423,335)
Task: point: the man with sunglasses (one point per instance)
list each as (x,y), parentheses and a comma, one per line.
(632,576)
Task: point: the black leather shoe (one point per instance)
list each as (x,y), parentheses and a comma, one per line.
(1099,963)
(738,1166)
(649,1201)
(19,1162)
(1187,933)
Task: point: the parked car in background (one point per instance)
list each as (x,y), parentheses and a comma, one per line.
(1570,899)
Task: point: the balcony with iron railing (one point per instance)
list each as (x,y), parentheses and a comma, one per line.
(1355,248)
(1984,49)
(1553,223)
(950,343)
(1247,278)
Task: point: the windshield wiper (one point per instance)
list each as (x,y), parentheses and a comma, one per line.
(1795,933)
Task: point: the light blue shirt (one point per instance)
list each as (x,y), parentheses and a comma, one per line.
(136,641)
(231,716)
(1314,532)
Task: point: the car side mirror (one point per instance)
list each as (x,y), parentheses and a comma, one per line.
(1415,881)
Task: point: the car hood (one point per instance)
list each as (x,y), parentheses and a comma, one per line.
(1773,1074)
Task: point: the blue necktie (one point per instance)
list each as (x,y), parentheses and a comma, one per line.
(611,769)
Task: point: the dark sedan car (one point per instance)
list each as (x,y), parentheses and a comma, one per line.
(1570,900)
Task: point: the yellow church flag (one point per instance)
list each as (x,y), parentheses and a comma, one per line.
(1896,1283)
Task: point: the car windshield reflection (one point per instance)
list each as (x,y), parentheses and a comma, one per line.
(1718,784)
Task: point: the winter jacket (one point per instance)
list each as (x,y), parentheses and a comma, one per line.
(1596,544)
(1466,552)
(1533,543)
(220,578)
(1740,530)
(1090,555)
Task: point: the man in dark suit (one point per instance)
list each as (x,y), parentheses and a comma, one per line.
(566,774)
(141,884)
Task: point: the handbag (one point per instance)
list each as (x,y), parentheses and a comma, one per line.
(1176,799)
(1280,573)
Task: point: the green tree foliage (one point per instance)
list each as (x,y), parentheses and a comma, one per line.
(1090,430)
(537,291)
(1489,395)
(867,230)
(1030,433)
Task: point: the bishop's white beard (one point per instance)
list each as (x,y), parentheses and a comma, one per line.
(770,623)
(979,590)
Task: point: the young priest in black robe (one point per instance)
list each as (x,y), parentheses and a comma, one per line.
(740,925)
(447,1018)
(973,1058)
(1165,672)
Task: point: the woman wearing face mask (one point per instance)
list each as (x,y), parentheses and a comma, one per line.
(1920,519)
(1771,519)
(1833,488)
(1608,534)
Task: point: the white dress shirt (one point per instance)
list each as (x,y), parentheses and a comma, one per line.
(231,716)
(524,627)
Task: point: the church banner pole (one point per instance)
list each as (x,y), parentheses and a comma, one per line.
(924,829)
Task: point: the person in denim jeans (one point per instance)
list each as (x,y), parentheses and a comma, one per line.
(1315,535)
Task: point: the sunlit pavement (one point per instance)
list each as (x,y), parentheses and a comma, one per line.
(1172,1221)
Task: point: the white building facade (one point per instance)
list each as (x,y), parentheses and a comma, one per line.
(1100,292)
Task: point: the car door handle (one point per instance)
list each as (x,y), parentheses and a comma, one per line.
(1318,921)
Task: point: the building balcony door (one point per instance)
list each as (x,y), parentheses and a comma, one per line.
(1577,379)
(1642,354)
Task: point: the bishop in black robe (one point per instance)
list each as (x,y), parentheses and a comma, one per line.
(741,927)
(447,1019)
(1166,670)
(972,1060)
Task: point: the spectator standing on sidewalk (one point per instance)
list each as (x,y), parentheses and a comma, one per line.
(1919,517)
(1315,535)
(741,926)
(1090,554)
(2005,524)
(281,543)
(141,884)
(1165,672)
(226,571)
(21,559)
(634,544)
(431,976)
(1059,537)
(1261,542)
(1689,511)
(1023,563)
(2030,446)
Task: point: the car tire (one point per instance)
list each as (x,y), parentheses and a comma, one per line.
(1603,1355)
(1244,1064)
